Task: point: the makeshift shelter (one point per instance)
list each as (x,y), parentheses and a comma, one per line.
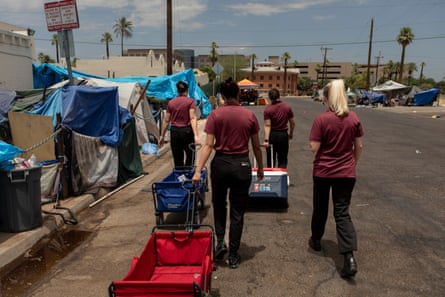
(426,97)
(100,142)
(389,86)
(161,87)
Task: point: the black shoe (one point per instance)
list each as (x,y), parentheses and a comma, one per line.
(221,250)
(315,244)
(234,260)
(350,266)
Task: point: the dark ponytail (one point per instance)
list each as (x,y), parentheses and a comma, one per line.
(229,88)
(182,87)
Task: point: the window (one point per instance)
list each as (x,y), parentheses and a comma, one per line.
(270,77)
(270,85)
(278,77)
(261,77)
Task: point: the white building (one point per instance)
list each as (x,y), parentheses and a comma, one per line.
(17,53)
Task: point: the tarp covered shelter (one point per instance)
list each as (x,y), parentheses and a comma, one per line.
(426,97)
(389,86)
(161,87)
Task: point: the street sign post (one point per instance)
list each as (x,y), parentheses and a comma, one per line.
(218,68)
(62,16)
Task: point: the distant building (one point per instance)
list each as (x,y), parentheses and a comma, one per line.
(269,75)
(17,53)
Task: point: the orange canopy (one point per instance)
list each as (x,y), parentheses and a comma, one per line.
(247,84)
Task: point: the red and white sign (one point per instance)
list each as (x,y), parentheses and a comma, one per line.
(61,15)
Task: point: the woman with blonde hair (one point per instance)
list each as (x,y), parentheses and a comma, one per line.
(335,140)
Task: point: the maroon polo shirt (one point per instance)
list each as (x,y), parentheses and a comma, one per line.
(179,110)
(232,125)
(335,158)
(279,114)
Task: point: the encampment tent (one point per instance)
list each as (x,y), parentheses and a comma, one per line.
(161,87)
(389,86)
(426,97)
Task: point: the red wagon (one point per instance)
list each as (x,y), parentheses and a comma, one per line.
(173,263)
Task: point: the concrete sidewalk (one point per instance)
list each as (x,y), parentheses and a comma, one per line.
(13,246)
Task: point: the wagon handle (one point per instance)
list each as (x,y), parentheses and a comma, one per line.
(181,239)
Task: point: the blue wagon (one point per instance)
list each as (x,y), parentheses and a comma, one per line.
(176,193)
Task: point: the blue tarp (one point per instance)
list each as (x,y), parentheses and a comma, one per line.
(374,97)
(161,87)
(94,111)
(8,152)
(425,97)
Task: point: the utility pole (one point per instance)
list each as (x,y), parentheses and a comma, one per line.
(323,77)
(169,38)
(377,67)
(369,55)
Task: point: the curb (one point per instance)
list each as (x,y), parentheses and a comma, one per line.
(13,246)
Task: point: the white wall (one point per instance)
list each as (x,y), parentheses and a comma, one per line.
(16,54)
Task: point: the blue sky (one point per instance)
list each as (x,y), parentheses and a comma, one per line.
(300,27)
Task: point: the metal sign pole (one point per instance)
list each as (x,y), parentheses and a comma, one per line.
(67,56)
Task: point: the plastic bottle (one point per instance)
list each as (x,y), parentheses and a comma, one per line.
(32,161)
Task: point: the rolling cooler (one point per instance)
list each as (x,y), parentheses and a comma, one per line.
(272,190)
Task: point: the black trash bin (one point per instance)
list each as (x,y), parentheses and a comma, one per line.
(20,201)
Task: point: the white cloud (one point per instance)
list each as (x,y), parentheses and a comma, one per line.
(153,13)
(268,9)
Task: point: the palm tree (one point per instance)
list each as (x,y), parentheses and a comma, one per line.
(404,38)
(213,57)
(107,38)
(390,69)
(253,58)
(411,67)
(123,28)
(285,57)
(55,42)
(43,58)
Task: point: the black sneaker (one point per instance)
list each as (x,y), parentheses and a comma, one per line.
(315,244)
(221,250)
(234,260)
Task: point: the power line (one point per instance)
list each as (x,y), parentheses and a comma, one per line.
(257,45)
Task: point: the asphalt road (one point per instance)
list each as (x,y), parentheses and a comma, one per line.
(398,210)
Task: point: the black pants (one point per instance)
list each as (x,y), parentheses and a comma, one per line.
(182,140)
(230,174)
(341,197)
(279,139)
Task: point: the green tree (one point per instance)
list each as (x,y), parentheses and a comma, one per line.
(213,56)
(404,38)
(208,69)
(107,38)
(55,42)
(123,28)
(411,67)
(285,57)
(304,85)
(43,58)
